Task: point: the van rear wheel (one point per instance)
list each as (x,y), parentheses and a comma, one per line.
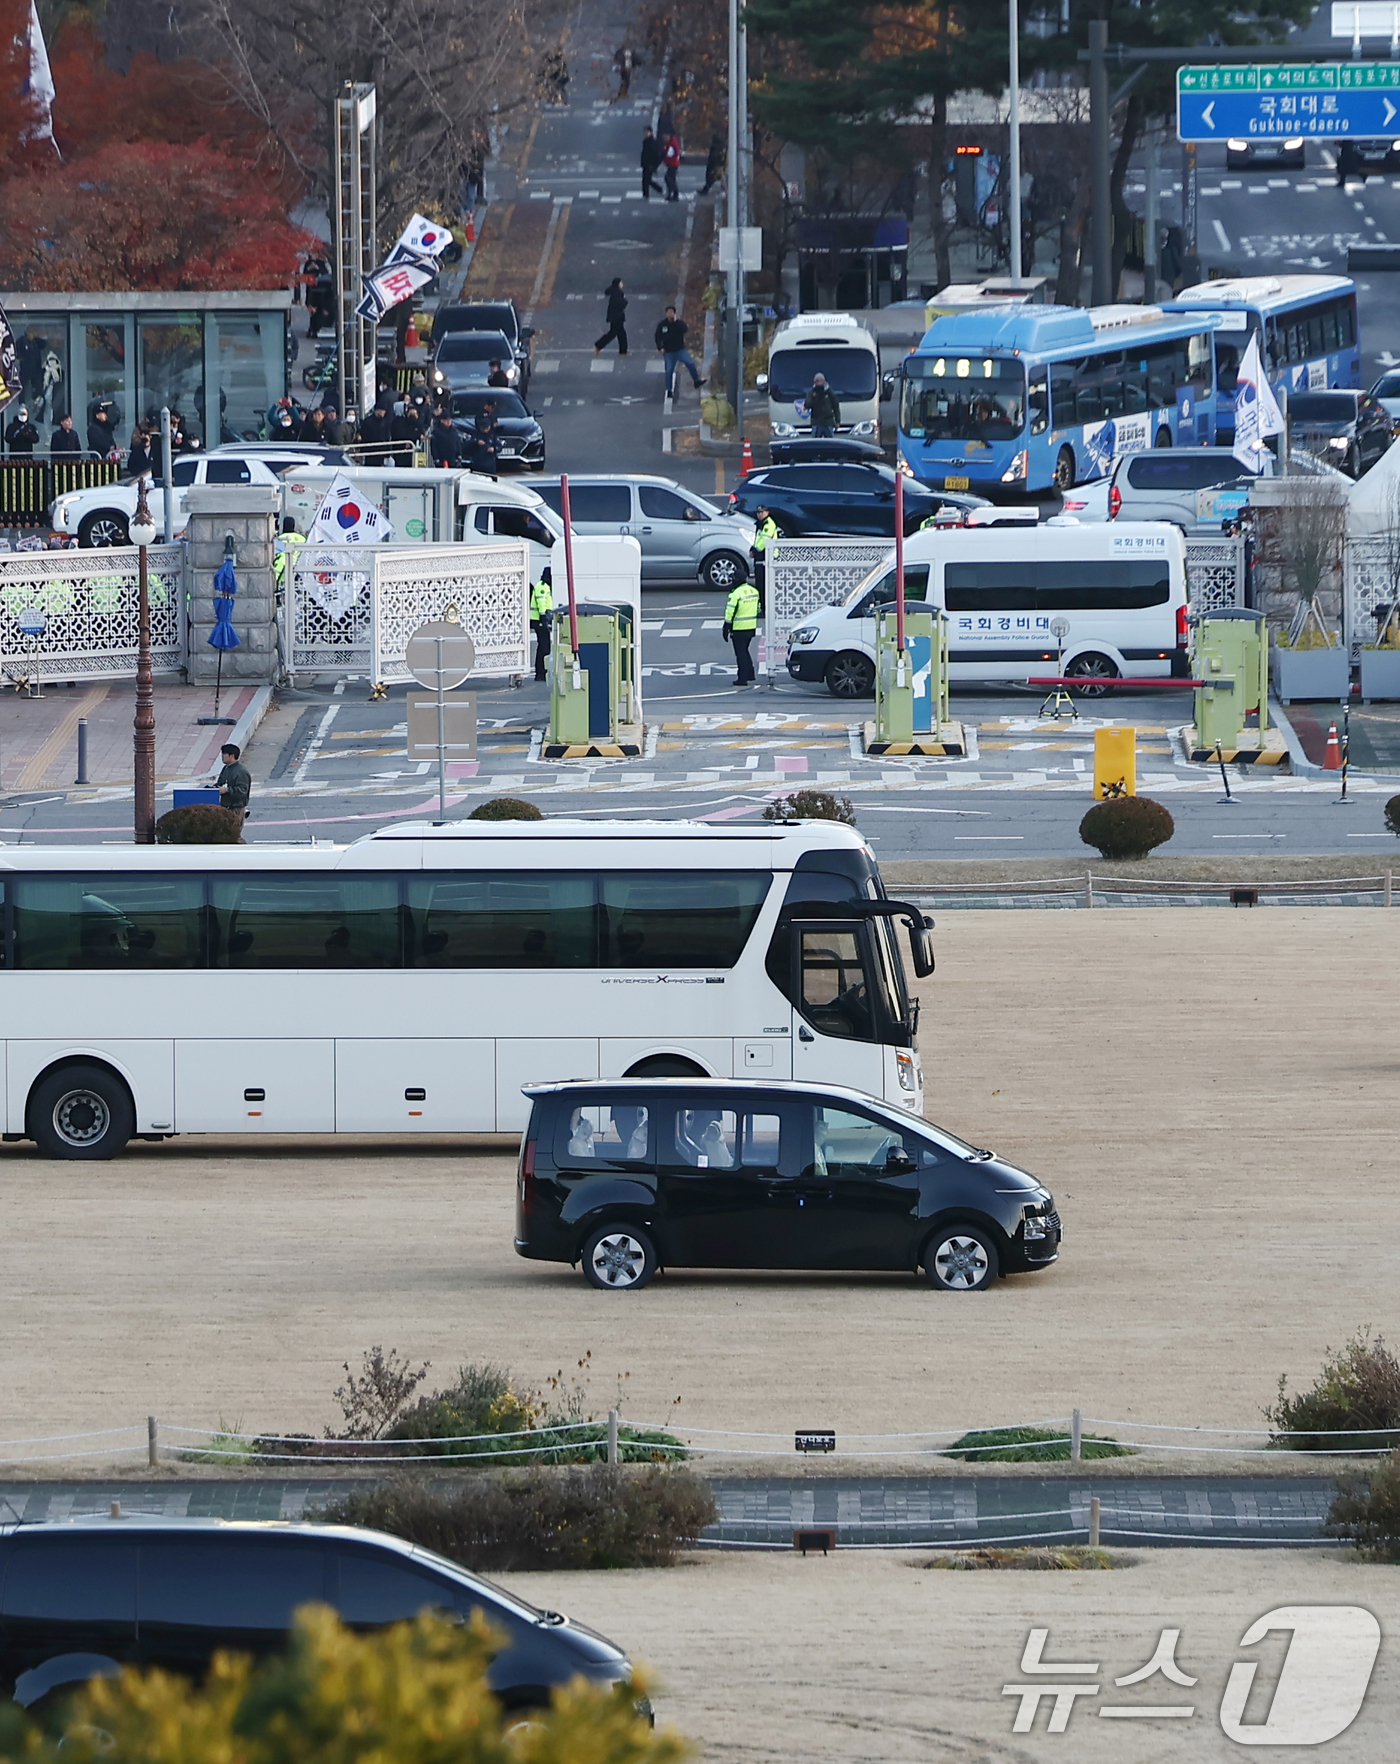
(619,1258)
(1090,673)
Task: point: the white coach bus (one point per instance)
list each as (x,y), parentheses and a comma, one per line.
(413,981)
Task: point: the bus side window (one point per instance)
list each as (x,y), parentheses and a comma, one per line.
(1198,365)
(1062,394)
(1088,390)
(1038,401)
(1346,322)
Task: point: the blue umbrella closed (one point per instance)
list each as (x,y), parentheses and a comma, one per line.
(223,636)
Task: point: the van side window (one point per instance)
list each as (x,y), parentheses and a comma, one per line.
(70,1580)
(882,593)
(603,1133)
(702,1138)
(376,1589)
(228,1583)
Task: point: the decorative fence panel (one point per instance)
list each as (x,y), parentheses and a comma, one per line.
(28,486)
(488,584)
(1215,574)
(812,573)
(1370,581)
(326,610)
(88,602)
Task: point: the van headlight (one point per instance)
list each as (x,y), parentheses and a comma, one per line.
(1015,473)
(862,428)
(1235,146)
(904,1065)
(804,634)
(1035,1227)
(1339,442)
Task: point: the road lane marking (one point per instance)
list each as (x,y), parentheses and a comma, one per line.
(1222,235)
(550,253)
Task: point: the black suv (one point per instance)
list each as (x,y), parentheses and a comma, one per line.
(83,1598)
(488,315)
(843,496)
(631,1175)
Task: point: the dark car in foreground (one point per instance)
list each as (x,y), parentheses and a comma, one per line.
(1280,150)
(83,1598)
(840,496)
(522,438)
(629,1176)
(1349,430)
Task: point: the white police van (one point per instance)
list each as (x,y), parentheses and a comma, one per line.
(1120,590)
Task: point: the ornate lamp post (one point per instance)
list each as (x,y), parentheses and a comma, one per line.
(142,530)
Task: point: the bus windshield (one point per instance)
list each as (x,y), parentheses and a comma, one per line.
(850,373)
(963,398)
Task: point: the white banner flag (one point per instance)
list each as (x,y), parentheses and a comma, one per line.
(347,517)
(1256,411)
(421,238)
(388,285)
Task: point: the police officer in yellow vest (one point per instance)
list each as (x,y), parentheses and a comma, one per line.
(740,623)
(542,617)
(289,537)
(764,551)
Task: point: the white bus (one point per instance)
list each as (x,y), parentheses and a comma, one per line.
(413,981)
(843,351)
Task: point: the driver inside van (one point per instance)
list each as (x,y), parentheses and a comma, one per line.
(580,1135)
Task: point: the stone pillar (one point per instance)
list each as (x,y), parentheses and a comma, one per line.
(251,513)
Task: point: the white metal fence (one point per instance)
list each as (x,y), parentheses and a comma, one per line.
(1215,573)
(351,609)
(1368,583)
(812,573)
(72,615)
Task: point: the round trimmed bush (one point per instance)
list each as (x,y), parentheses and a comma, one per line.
(1126,826)
(201,823)
(505,808)
(811,805)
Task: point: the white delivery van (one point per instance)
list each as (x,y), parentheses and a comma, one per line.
(836,346)
(1120,588)
(436,506)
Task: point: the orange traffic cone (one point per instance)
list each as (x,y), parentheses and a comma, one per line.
(471,228)
(746,461)
(1332,759)
(410,336)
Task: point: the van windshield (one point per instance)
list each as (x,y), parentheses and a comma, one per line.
(849,372)
(963,398)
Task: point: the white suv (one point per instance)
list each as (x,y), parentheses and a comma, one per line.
(101,516)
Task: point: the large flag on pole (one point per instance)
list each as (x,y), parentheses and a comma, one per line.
(39,87)
(390,284)
(347,517)
(11,384)
(1256,411)
(421,238)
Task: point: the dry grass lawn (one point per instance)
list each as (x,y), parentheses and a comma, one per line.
(1212,1096)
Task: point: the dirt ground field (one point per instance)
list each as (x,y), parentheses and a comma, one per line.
(873,1659)
(1212,1096)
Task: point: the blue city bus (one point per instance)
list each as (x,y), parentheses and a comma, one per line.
(1306,326)
(1029,397)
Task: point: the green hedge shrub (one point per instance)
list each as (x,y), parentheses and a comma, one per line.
(1366,1510)
(201,823)
(1126,826)
(1029,1445)
(505,808)
(812,805)
(1356,1393)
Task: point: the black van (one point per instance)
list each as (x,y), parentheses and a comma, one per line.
(82,1598)
(631,1175)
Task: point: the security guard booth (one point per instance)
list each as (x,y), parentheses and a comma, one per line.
(911,691)
(592,694)
(1230,654)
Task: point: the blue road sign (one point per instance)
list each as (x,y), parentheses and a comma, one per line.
(1360,99)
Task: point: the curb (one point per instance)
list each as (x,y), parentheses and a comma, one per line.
(1299,763)
(246,726)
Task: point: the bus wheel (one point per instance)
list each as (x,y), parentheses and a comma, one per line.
(1091,671)
(81,1112)
(1164,437)
(850,675)
(1064,470)
(619,1258)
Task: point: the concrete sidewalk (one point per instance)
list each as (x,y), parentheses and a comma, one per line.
(39,736)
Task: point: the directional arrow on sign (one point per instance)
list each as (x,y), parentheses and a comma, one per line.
(1208,115)
(1389,111)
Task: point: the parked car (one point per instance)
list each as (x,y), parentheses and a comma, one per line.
(1378,155)
(847,496)
(462,361)
(1196,488)
(1349,430)
(84,1598)
(101,516)
(522,438)
(1386,393)
(683,537)
(1281,150)
(628,1176)
(487,315)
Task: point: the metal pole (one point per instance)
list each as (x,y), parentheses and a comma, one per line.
(1150,226)
(1076,1437)
(144,722)
(1100,127)
(1190,191)
(612,1436)
(736,323)
(82,776)
(1095,1513)
(442,742)
(152,1442)
(339,198)
(1014,126)
(899,565)
(741,181)
(569,565)
(166,469)
(1346,749)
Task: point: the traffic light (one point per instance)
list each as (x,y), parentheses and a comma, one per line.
(965,164)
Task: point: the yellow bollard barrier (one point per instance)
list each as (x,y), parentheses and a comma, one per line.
(1115,763)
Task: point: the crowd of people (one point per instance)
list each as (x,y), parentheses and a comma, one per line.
(22,439)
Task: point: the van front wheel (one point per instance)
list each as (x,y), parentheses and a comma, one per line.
(850,675)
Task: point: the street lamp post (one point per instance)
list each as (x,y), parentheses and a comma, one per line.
(142,530)
(1013,120)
